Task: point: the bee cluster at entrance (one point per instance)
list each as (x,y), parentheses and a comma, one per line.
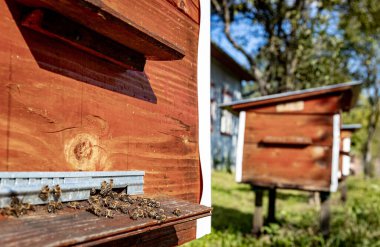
(103,202)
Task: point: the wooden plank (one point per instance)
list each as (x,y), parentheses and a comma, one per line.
(116,25)
(306,168)
(72,227)
(318,128)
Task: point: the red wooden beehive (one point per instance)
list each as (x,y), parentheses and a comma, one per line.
(103,86)
(291,140)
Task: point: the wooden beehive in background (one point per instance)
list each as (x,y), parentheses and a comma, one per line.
(346,132)
(104,86)
(291,140)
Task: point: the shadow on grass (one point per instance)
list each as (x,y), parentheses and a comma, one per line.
(231,219)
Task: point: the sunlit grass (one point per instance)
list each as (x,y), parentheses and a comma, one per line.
(357,223)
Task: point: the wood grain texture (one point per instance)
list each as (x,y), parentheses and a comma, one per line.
(189,7)
(78,227)
(58,103)
(316,127)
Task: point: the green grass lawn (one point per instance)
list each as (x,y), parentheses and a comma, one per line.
(357,223)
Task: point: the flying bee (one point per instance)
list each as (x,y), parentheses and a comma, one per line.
(177,212)
(75,205)
(44,193)
(109,213)
(57,192)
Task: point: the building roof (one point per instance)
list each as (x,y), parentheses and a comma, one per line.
(350,90)
(225,59)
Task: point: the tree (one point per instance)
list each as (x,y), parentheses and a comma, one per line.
(300,49)
(360,22)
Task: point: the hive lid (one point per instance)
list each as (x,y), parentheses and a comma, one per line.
(113,24)
(349,91)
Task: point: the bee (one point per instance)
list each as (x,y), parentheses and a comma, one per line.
(163,218)
(177,212)
(123,197)
(109,213)
(28,206)
(161,211)
(104,189)
(93,191)
(152,214)
(51,208)
(57,192)
(114,195)
(95,209)
(114,204)
(158,204)
(75,205)
(124,208)
(135,216)
(131,200)
(59,205)
(93,199)
(44,193)
(107,201)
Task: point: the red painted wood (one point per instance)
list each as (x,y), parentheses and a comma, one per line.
(57,102)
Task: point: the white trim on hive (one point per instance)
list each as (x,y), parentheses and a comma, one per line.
(240,146)
(335,153)
(204,140)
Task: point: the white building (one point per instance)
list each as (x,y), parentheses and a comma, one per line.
(226,78)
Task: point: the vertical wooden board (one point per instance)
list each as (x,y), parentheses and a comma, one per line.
(287,167)
(67,110)
(313,105)
(317,127)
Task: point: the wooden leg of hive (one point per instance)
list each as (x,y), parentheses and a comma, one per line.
(343,191)
(325,214)
(258,214)
(272,205)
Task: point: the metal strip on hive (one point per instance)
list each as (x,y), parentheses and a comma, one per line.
(75,186)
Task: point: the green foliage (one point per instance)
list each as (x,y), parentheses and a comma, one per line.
(357,223)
